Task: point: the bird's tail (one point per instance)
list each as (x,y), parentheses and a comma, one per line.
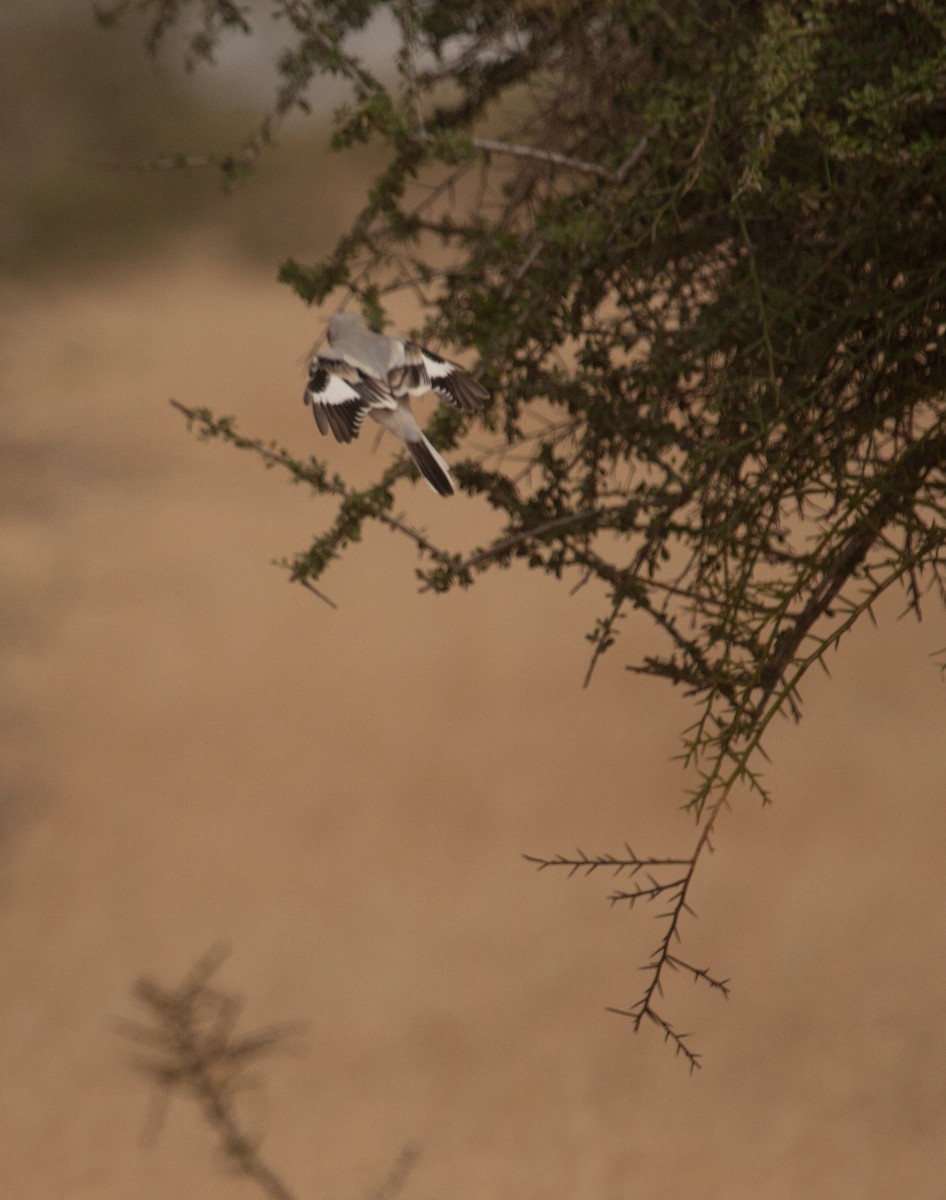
(431,465)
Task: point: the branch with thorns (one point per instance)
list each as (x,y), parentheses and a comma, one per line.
(675,890)
(192,1047)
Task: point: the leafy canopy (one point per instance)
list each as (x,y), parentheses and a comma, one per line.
(699,249)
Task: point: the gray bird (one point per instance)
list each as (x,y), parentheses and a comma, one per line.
(364,372)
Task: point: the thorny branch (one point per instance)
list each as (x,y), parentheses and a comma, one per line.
(674,889)
(739,436)
(192,1047)
(556,159)
(755,699)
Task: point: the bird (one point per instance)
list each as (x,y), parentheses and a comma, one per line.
(364,373)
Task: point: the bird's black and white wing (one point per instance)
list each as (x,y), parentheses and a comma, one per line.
(341,396)
(451,382)
(408,375)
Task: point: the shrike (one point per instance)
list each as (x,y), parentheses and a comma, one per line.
(364,372)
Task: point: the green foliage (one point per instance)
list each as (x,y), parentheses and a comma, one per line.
(699,248)
(214,18)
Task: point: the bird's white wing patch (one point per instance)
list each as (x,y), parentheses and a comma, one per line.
(452,383)
(437,367)
(341,396)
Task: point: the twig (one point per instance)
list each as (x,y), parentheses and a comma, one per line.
(402,11)
(210,426)
(651,892)
(587,865)
(244,157)
(604,637)
(193,1048)
(504,544)
(557,159)
(699,974)
(679,1041)
(516,278)
(315,592)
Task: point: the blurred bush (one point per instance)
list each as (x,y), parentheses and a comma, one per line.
(84,111)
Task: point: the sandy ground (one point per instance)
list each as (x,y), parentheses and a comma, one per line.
(193,750)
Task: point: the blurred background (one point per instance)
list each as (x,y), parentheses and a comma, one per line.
(194,751)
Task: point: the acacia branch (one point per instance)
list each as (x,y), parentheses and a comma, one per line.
(650,892)
(197,1053)
(588,864)
(313,473)
(679,1041)
(555,157)
(504,544)
(897,490)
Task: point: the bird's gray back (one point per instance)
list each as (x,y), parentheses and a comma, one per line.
(350,337)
